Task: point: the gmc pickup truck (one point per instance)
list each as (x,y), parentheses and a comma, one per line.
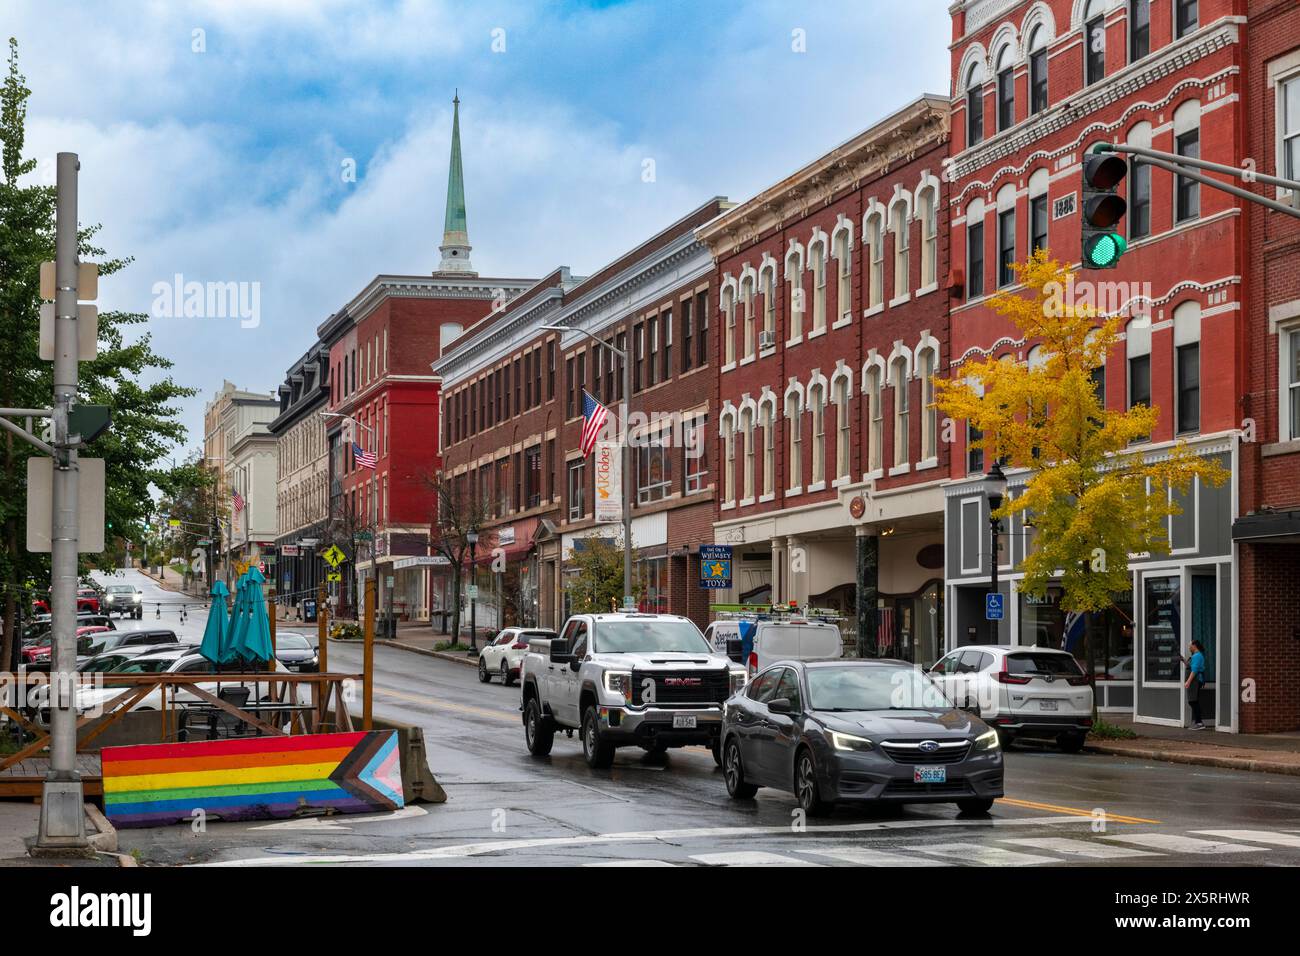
(646,680)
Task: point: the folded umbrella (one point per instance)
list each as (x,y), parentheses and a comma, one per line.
(214,646)
(257,635)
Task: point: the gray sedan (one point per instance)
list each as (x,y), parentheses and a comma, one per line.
(857,731)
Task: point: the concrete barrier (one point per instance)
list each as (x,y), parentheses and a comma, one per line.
(418,782)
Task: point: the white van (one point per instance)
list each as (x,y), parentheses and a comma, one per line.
(779,640)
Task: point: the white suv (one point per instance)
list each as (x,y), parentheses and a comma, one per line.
(1020,691)
(505,655)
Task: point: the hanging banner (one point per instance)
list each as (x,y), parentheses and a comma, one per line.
(608,463)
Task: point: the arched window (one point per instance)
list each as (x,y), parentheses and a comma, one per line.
(927,206)
(794,412)
(898,374)
(1139,29)
(747,304)
(1187,367)
(1094,42)
(1006,235)
(747,430)
(899,228)
(729,457)
(926,367)
(817,262)
(765,411)
(876,416)
(1036,53)
(817,406)
(974,87)
(844,259)
(1004,70)
(843,439)
(794,278)
(1139,185)
(767,283)
(729,324)
(1187,142)
(875,238)
(1039,181)
(1137,342)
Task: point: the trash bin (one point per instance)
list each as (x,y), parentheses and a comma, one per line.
(387,627)
(309,610)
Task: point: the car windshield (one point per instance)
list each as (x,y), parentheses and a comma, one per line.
(872,687)
(120,589)
(146,665)
(98,644)
(641,635)
(292,642)
(105,663)
(1058,665)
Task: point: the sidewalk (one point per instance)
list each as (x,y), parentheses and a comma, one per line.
(418,637)
(1269,753)
(19,820)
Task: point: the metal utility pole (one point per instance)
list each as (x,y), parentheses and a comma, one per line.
(62,805)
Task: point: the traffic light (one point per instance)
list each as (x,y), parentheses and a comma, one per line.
(1102,208)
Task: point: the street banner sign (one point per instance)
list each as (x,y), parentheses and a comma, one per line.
(333,556)
(90,504)
(993,606)
(421,561)
(609,482)
(715,566)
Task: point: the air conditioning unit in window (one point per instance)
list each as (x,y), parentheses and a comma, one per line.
(767,340)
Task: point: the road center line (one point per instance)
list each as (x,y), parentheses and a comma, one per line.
(1073,811)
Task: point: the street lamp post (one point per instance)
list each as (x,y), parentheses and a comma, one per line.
(624,408)
(472,537)
(995,489)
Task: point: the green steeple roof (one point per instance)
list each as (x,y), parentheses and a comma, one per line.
(455,221)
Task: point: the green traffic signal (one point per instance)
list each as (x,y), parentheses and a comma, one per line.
(1102,208)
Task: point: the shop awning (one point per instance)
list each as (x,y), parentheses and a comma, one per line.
(1274,527)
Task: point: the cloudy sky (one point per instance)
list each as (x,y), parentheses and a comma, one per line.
(215,135)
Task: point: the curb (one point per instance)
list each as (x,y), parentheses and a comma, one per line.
(1196,759)
(105,839)
(452,656)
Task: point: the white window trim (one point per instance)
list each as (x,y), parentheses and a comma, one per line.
(1284,380)
(1281,71)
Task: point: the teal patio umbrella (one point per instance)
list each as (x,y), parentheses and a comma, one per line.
(238,624)
(256,637)
(214,646)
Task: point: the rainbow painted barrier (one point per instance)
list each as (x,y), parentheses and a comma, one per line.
(252,778)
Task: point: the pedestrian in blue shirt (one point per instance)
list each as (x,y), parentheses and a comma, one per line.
(1195,680)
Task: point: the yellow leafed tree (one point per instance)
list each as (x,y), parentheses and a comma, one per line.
(1092,497)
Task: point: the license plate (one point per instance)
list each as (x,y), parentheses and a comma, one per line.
(1047,705)
(929,774)
(683,721)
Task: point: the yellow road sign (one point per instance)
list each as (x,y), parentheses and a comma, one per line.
(333,577)
(333,556)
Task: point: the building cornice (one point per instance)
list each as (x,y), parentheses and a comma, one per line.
(440,286)
(499,341)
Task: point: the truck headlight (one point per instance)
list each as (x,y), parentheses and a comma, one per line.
(620,684)
(737,681)
(135,598)
(987,741)
(848,741)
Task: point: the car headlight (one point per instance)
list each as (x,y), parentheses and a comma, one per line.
(988,741)
(737,681)
(849,742)
(620,683)
(136,598)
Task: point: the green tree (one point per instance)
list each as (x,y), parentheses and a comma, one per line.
(597,585)
(145,416)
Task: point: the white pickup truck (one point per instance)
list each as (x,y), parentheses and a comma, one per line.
(647,680)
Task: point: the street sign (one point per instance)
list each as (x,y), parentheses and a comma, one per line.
(87,332)
(90,504)
(629,602)
(423,561)
(87,281)
(289,550)
(174,522)
(333,556)
(334,577)
(203,543)
(715,566)
(308,542)
(471,591)
(389,581)
(993,606)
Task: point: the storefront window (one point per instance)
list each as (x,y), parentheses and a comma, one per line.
(1163,628)
(1044,623)
(651,577)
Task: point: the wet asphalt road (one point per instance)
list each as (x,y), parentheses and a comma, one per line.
(508,808)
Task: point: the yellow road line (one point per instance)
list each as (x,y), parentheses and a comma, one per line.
(1072,811)
(446,704)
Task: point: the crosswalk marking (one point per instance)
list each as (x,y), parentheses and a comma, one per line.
(863,857)
(1255,836)
(750,858)
(1086,848)
(631,863)
(1182,844)
(985,855)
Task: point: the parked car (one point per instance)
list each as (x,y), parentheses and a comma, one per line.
(857,731)
(110,660)
(40,651)
(296,652)
(39,628)
(632,679)
(124,599)
(96,644)
(504,656)
(1031,692)
(785,639)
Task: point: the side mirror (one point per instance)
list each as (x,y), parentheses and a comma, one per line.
(575,664)
(560,651)
(736,650)
(779,706)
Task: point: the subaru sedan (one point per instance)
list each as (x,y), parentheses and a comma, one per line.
(858,731)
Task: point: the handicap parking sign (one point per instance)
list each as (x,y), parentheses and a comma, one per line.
(993,606)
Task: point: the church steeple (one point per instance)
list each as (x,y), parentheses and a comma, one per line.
(455,246)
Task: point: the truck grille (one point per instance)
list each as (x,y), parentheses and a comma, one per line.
(682,687)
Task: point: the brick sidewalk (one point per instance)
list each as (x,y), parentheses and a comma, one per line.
(1270,753)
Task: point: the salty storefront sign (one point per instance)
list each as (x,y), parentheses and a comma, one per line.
(609,482)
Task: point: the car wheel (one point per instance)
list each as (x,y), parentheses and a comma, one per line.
(539,731)
(737,786)
(982,805)
(505,674)
(1071,743)
(599,753)
(806,790)
(716,750)
(484,675)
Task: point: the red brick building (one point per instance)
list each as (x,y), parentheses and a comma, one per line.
(1034,86)
(1267,534)
(831,319)
(512,405)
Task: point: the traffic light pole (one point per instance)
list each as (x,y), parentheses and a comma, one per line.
(1178,165)
(62,824)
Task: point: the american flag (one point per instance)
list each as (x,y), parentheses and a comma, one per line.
(238,501)
(885,629)
(594,415)
(363,458)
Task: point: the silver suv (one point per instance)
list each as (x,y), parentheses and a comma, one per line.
(647,680)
